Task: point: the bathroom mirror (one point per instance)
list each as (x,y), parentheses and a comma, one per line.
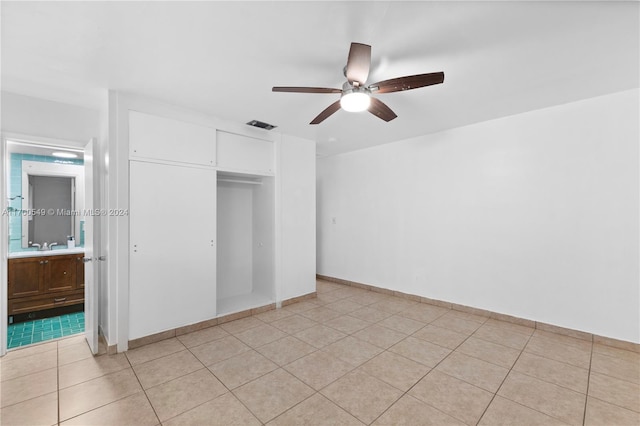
(45,194)
(51,202)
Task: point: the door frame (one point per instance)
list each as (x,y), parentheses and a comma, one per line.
(4,222)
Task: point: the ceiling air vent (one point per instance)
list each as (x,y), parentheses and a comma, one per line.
(262,125)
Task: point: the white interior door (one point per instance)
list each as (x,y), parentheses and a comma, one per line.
(91,245)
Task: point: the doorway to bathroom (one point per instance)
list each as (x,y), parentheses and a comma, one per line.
(48,263)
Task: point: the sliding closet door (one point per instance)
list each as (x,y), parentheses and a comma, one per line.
(172,247)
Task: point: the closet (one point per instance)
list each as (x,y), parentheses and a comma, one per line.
(202,223)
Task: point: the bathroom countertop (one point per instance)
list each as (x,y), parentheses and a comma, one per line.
(37,253)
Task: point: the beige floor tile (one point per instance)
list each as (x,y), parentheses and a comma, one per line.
(293,324)
(160,370)
(315,411)
(370,314)
(615,391)
(345,306)
(369,298)
(73,353)
(182,394)
(363,396)
(241,369)
(452,396)
(72,340)
(502,336)
(393,305)
(260,335)
(559,373)
(286,350)
(454,323)
(22,366)
(29,350)
(95,393)
(225,410)
(517,328)
(321,314)
(396,370)
(411,411)
(616,352)
(326,298)
(565,340)
(219,350)
(503,412)
(240,325)
(475,371)
(27,387)
(401,324)
(420,351)
(347,292)
(42,410)
(90,368)
(200,337)
(347,324)
(318,369)
(489,351)
(273,315)
(154,350)
(440,336)
(555,349)
(352,350)
(553,400)
(602,413)
(423,312)
(621,368)
(467,316)
(132,410)
(301,306)
(382,337)
(272,394)
(319,335)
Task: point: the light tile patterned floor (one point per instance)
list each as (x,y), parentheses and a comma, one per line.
(42,330)
(349,357)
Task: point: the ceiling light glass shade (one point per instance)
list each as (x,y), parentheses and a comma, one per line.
(355,101)
(65,155)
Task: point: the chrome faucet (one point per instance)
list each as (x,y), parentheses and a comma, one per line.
(44,246)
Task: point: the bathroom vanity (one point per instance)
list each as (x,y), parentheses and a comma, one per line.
(44,280)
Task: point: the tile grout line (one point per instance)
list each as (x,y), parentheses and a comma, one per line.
(58,381)
(430,370)
(586,396)
(504,380)
(141,387)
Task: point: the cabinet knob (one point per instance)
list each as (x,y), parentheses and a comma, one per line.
(42,262)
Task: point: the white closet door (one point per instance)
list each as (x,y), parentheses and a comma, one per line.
(172,247)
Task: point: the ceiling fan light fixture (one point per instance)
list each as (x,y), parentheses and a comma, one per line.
(355,101)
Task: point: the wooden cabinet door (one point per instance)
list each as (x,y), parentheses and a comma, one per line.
(60,273)
(79,271)
(25,277)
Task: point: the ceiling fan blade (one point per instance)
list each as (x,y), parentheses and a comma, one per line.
(407,83)
(381,110)
(358,63)
(327,112)
(305,89)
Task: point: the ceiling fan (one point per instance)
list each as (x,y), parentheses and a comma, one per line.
(356,96)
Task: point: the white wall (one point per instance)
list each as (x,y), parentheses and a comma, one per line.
(534,215)
(48,119)
(296,201)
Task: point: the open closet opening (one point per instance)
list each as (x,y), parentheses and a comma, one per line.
(245,241)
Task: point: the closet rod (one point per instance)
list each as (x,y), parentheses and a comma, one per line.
(251,182)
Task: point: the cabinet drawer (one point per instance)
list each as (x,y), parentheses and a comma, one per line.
(31,304)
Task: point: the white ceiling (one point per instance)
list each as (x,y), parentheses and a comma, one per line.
(222,58)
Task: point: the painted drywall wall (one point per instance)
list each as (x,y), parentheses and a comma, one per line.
(296,203)
(534,215)
(38,117)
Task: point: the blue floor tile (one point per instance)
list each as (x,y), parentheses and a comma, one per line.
(30,332)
